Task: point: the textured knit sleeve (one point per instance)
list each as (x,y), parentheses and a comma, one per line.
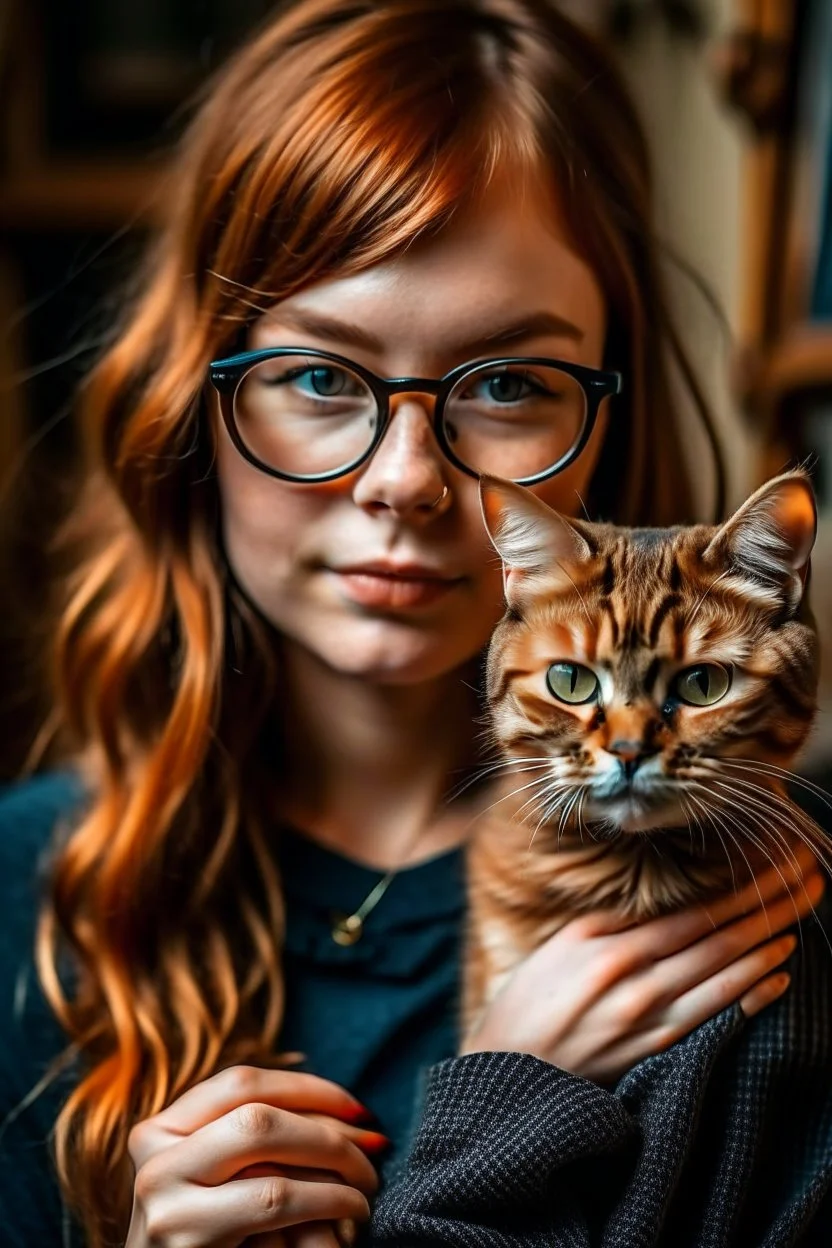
(505,1149)
(722,1141)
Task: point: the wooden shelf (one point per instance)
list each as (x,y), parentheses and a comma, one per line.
(81,195)
(801,360)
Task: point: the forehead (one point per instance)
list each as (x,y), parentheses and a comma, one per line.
(507,256)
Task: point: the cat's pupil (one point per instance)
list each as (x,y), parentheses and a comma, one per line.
(572,682)
(703,681)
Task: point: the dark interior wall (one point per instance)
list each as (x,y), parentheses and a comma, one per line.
(88,91)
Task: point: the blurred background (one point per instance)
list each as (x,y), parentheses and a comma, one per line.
(737,99)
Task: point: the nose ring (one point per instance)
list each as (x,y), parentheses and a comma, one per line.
(440,499)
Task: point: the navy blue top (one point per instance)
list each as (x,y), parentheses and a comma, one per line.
(723,1140)
(371,1016)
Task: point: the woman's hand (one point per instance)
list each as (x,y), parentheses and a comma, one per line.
(246,1156)
(596,997)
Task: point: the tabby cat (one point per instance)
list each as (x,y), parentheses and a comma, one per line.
(647,688)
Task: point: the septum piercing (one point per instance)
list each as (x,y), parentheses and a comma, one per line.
(440,499)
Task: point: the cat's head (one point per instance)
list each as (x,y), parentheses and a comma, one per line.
(653,667)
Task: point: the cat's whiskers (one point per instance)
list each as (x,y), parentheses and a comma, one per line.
(762,808)
(788,815)
(749,831)
(767,768)
(549,797)
(512,793)
(580,814)
(499,765)
(791,896)
(796,819)
(687,815)
(549,809)
(729,833)
(789,811)
(741,817)
(571,806)
(692,823)
(715,822)
(565,814)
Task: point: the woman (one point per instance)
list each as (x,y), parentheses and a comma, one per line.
(267,675)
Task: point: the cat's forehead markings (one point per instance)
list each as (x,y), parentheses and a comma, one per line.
(564,623)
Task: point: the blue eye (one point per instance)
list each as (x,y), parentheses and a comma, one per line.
(325,382)
(506,387)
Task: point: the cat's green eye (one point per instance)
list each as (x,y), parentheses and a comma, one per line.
(702,685)
(573,683)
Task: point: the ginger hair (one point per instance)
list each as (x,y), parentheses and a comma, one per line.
(338,135)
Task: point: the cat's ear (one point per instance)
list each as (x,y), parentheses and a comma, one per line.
(531,539)
(770,538)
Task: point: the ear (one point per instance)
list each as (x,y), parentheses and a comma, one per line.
(771,537)
(533,541)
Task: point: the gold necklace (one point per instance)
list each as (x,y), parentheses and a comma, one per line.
(347,929)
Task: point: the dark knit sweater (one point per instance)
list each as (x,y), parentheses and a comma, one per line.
(726,1139)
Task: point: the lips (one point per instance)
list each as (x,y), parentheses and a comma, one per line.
(394,585)
(398,571)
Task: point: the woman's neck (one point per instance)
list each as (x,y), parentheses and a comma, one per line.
(370,767)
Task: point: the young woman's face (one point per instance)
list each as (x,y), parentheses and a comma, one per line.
(301,552)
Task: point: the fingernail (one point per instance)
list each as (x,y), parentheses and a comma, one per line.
(359,1113)
(347,1232)
(374,1142)
(779,983)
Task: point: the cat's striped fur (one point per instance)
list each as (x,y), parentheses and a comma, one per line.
(636,800)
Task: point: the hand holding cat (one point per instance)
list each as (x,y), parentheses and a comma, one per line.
(597,997)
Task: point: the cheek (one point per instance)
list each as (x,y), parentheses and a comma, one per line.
(264,521)
(698,733)
(566,491)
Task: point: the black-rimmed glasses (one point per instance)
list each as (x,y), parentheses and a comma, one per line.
(311,416)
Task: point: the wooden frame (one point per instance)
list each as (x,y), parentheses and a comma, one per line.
(768,73)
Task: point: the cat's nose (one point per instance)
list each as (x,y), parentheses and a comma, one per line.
(631,754)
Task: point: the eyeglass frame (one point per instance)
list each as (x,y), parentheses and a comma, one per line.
(227,373)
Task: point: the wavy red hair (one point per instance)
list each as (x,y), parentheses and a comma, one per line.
(336,137)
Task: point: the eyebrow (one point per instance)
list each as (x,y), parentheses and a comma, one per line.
(532,326)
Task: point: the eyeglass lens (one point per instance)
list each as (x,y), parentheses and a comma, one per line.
(307,417)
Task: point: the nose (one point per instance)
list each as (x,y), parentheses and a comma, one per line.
(406,473)
(631,754)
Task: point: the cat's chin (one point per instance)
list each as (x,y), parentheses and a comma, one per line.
(629,815)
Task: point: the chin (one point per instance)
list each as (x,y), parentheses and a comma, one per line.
(632,814)
(383,652)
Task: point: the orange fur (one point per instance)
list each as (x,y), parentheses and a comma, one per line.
(640,803)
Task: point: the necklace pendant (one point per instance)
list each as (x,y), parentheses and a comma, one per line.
(347,929)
